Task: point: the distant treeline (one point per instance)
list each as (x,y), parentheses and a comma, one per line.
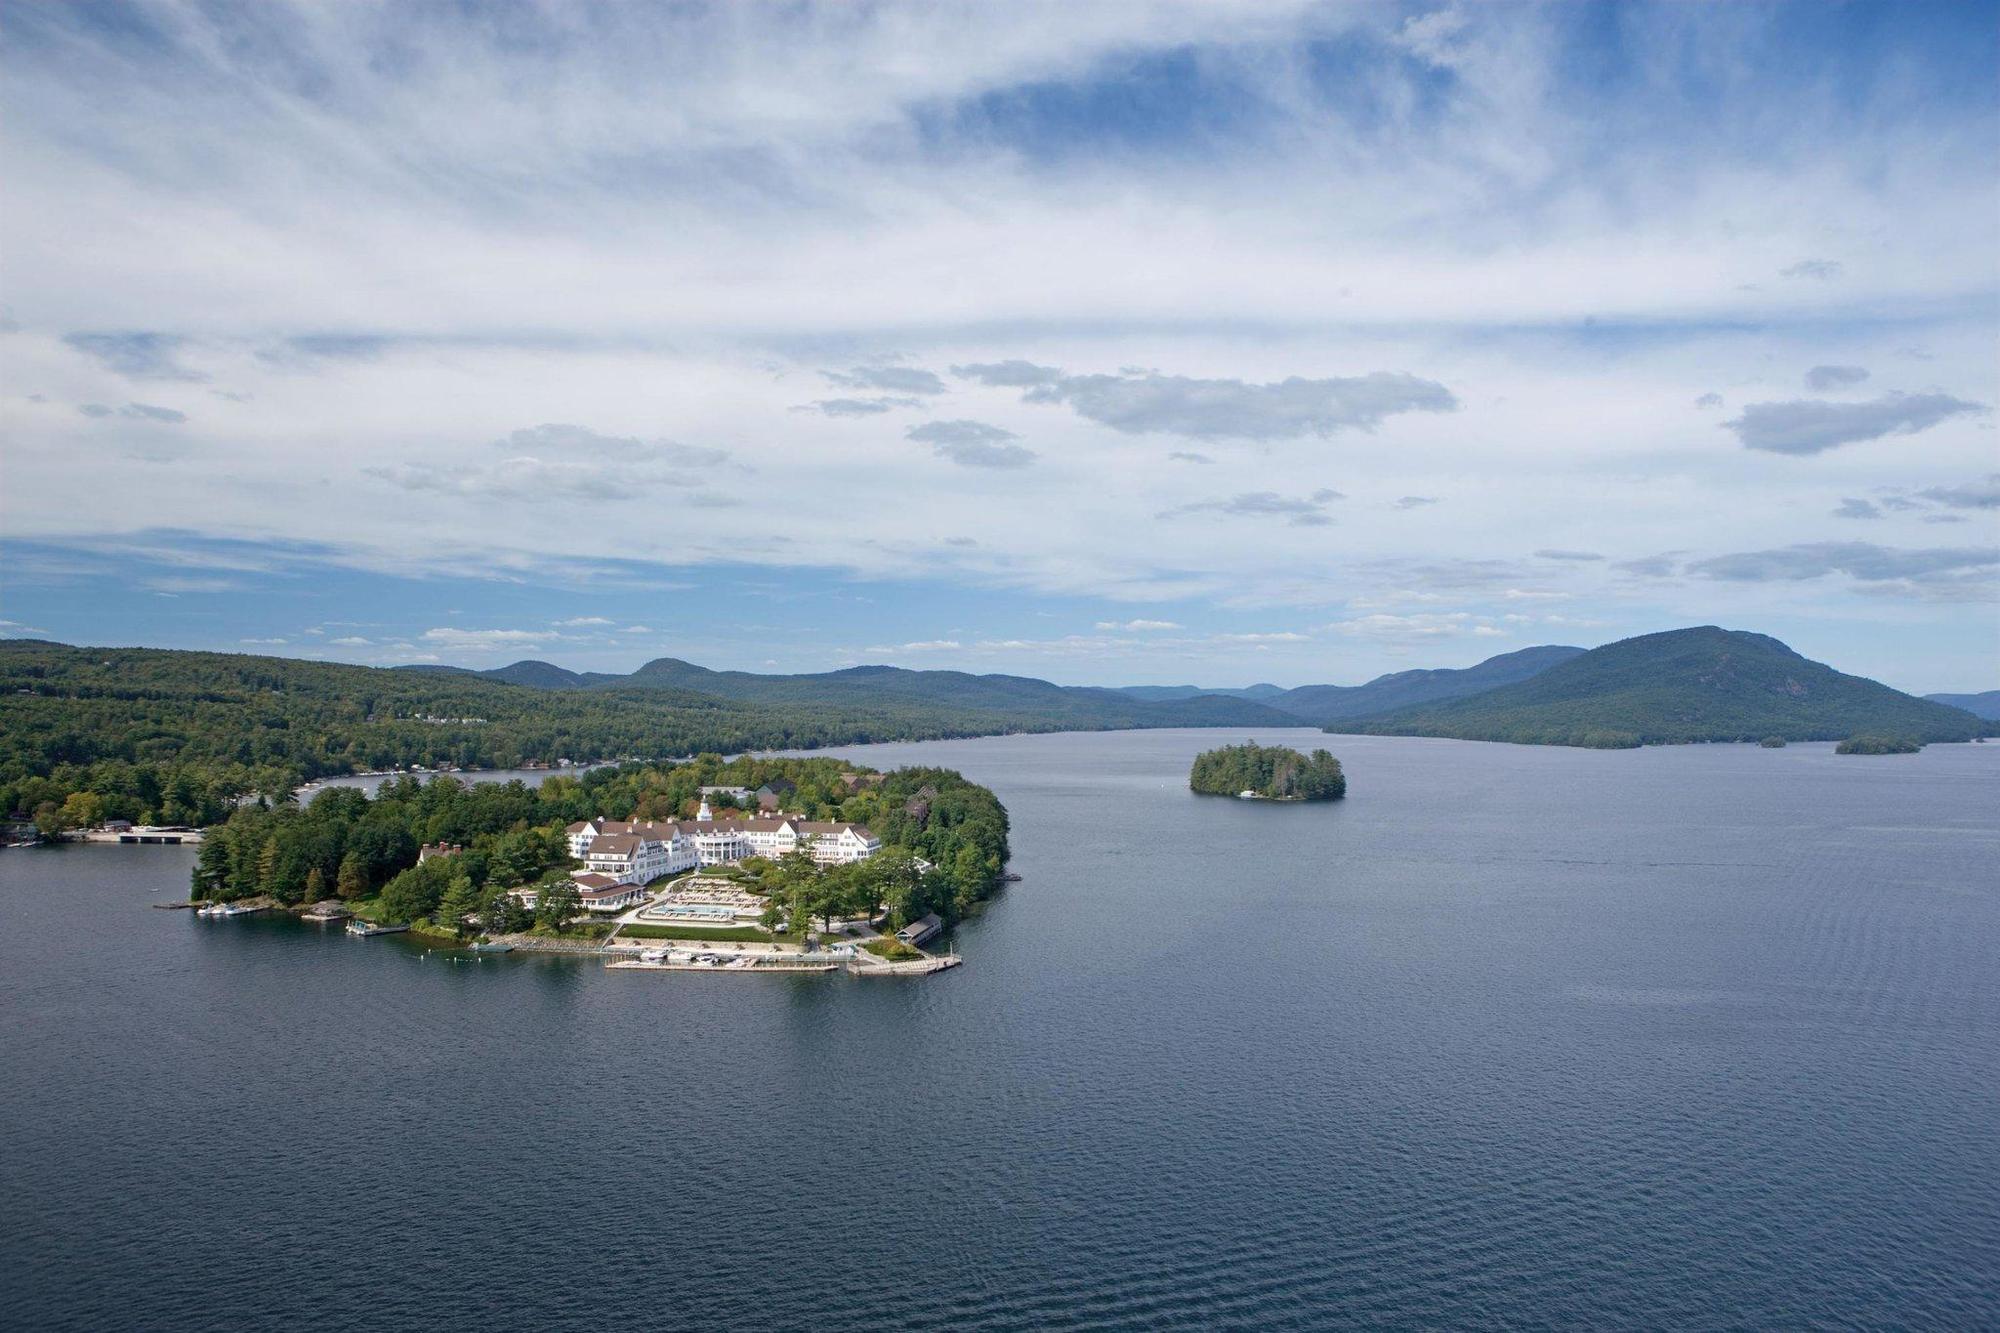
(159,736)
(344,844)
(1273,771)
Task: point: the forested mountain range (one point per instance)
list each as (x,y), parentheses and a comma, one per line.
(1399,689)
(1700,684)
(172,736)
(1168,705)
(1405,689)
(1036,703)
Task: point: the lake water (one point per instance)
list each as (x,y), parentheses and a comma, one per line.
(1702,1037)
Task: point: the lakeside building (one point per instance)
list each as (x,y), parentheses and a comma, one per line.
(920,930)
(598,894)
(645,850)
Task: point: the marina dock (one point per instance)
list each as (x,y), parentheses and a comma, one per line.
(747,964)
(861,965)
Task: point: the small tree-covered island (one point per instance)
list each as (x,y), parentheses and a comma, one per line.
(1268,772)
(769,863)
(1878,745)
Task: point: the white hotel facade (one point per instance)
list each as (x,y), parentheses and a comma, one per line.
(640,852)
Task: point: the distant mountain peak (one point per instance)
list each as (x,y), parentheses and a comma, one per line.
(1702,683)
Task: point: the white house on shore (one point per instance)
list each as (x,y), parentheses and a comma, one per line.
(597,893)
(644,851)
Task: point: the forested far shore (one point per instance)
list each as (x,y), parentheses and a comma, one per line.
(162,736)
(944,842)
(1270,771)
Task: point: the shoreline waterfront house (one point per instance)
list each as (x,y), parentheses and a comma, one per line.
(601,894)
(644,851)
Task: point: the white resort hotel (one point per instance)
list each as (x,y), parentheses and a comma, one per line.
(620,858)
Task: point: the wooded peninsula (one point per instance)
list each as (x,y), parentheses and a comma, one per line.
(943,845)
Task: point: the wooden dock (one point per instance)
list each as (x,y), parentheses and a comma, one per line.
(764,968)
(367,928)
(916,967)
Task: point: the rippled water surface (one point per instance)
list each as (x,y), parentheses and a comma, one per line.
(1693,1037)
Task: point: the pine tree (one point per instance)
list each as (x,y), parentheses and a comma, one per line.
(315,885)
(458,902)
(352,882)
(211,868)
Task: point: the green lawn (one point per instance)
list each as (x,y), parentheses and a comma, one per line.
(746,934)
(891,948)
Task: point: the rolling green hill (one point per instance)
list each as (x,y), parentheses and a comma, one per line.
(1400,689)
(1703,684)
(1004,701)
(164,735)
(1406,689)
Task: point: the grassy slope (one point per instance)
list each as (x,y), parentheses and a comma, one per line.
(1704,684)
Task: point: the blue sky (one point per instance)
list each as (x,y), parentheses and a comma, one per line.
(1136,343)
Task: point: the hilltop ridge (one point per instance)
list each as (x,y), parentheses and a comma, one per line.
(1703,683)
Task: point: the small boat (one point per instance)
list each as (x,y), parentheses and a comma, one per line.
(366,928)
(652,955)
(493,946)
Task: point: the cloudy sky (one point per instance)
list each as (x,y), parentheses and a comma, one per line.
(1109,343)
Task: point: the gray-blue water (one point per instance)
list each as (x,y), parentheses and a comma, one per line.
(1701,1037)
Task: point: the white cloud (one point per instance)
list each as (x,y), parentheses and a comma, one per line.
(1137,626)
(558,461)
(692,215)
(920,646)
(583,621)
(1418,626)
(452,637)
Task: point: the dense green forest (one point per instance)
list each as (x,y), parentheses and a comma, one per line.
(1035,704)
(1268,770)
(944,841)
(1878,745)
(1703,684)
(162,736)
